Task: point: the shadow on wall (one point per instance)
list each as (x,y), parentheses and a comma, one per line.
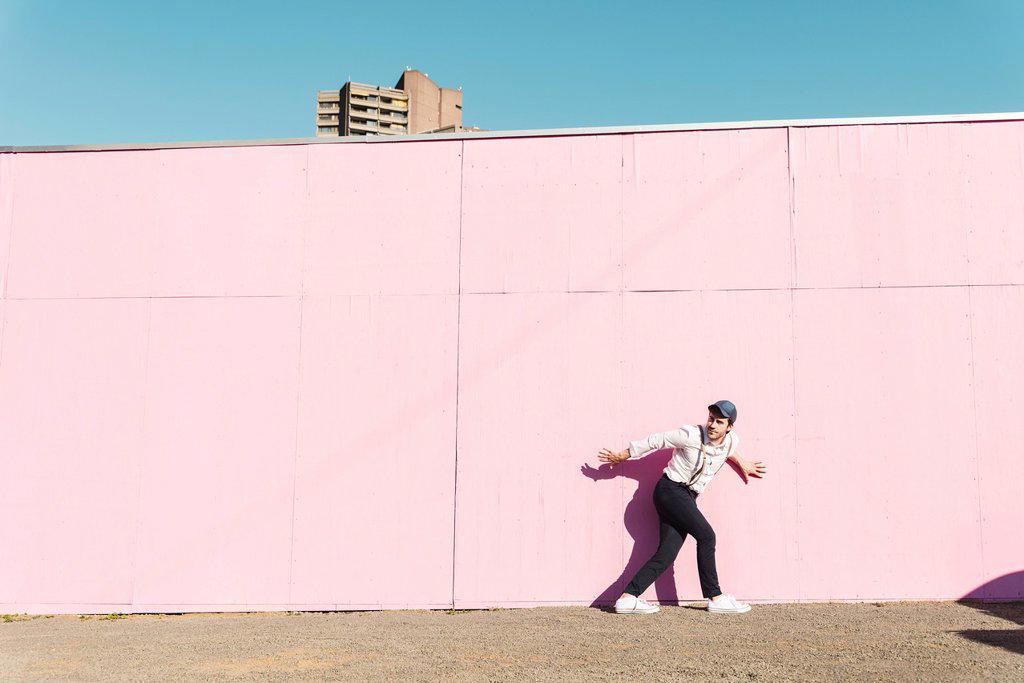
(1009,587)
(641,521)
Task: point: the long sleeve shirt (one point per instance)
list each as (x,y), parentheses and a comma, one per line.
(686,443)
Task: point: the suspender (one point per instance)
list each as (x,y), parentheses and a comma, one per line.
(701,460)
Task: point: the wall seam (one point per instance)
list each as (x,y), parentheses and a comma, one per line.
(142,450)
(458,348)
(792,341)
(298,371)
(622,210)
(622,320)
(968,230)
(836,288)
(977,451)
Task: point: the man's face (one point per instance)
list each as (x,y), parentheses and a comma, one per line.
(717,426)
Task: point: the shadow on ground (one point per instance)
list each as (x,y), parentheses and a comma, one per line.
(983,598)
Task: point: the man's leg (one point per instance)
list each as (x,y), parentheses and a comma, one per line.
(685,516)
(707,570)
(669,543)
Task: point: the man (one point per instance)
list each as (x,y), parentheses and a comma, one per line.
(698,452)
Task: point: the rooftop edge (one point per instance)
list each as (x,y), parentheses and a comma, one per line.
(550,132)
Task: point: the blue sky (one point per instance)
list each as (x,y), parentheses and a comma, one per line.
(77,72)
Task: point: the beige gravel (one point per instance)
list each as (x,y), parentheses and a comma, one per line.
(909,641)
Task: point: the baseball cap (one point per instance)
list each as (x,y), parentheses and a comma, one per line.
(726,408)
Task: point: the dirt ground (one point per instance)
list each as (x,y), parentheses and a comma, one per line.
(908,641)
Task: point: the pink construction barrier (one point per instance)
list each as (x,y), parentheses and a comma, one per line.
(362,376)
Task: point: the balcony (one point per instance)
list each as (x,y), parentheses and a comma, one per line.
(373,115)
(371,101)
(395,105)
(369,126)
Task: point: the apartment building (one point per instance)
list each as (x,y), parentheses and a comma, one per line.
(416,104)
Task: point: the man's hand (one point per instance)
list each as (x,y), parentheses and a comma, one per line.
(613,458)
(750,468)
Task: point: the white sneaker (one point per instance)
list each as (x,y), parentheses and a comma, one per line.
(634,605)
(727,604)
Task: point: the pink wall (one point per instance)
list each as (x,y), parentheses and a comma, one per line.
(377,375)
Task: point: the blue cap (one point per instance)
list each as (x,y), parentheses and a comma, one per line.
(726,408)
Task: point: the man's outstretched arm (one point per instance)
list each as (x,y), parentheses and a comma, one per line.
(674,438)
(748,468)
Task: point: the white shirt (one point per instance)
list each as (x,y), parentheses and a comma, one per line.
(685,443)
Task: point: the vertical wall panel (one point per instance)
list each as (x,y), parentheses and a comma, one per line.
(375,474)
(994,159)
(217,237)
(539,396)
(542,214)
(886,444)
(384,219)
(71,394)
(998,325)
(83,224)
(706,210)
(216,494)
(880,205)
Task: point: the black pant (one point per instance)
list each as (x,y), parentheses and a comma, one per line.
(677,511)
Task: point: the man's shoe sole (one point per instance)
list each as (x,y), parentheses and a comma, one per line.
(729,611)
(638,611)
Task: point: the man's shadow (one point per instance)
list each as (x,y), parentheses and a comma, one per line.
(641,521)
(1008,589)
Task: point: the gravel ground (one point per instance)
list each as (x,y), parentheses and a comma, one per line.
(908,641)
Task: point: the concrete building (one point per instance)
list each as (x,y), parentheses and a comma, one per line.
(415,105)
